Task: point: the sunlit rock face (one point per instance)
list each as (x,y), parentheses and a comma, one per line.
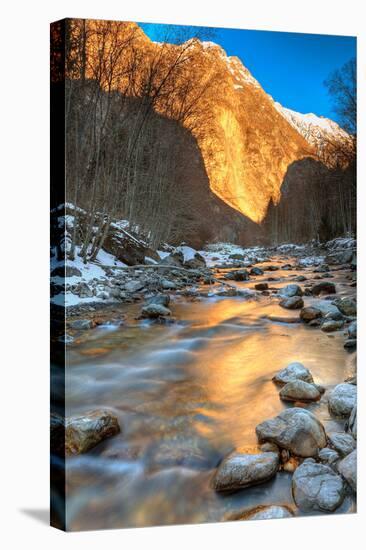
(247,141)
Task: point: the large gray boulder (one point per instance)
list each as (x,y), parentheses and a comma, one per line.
(348,469)
(84,432)
(317,487)
(298,390)
(296,429)
(240,470)
(343,443)
(347,306)
(293,371)
(342,399)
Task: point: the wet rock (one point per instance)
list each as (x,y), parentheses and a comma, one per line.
(343,443)
(348,469)
(352,422)
(308,314)
(350,344)
(262,512)
(334,315)
(165,284)
(328,456)
(261,286)
(226,291)
(298,390)
(300,278)
(295,302)
(84,432)
(352,330)
(325,287)
(81,324)
(237,275)
(256,271)
(159,299)
(327,308)
(154,310)
(240,470)
(331,325)
(315,323)
(291,290)
(342,400)
(347,306)
(272,268)
(293,371)
(296,429)
(317,487)
(134,286)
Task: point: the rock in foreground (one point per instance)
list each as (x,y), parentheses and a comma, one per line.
(348,469)
(293,371)
(296,430)
(262,512)
(240,470)
(308,314)
(342,399)
(316,487)
(82,433)
(343,443)
(154,311)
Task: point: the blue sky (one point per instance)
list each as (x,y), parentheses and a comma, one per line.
(291,67)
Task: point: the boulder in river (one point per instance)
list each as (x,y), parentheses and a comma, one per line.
(317,487)
(325,287)
(154,311)
(293,371)
(308,314)
(297,430)
(342,399)
(237,275)
(331,325)
(240,470)
(348,469)
(291,290)
(343,443)
(261,286)
(256,271)
(347,306)
(84,432)
(298,390)
(295,302)
(350,344)
(160,299)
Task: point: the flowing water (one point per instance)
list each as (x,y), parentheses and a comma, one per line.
(186,394)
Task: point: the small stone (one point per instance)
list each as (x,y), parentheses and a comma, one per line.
(350,344)
(153,311)
(295,302)
(261,286)
(308,314)
(84,432)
